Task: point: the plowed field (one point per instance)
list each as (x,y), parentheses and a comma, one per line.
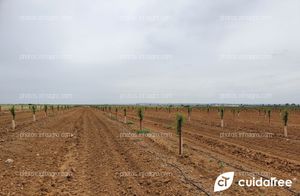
(85,151)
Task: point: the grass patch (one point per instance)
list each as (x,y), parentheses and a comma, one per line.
(144,131)
(221,164)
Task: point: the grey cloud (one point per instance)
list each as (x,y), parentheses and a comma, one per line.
(194,50)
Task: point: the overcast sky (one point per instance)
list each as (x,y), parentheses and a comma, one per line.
(138,51)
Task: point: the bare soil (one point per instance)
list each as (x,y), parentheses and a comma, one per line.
(84,151)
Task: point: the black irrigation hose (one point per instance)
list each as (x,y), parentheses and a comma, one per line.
(189,180)
(182,173)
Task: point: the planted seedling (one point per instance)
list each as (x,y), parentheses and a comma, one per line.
(13,113)
(269,116)
(179,123)
(222,117)
(33,109)
(45,110)
(125,115)
(141,117)
(285,119)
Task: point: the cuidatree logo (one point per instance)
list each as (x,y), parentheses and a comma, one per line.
(224,181)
